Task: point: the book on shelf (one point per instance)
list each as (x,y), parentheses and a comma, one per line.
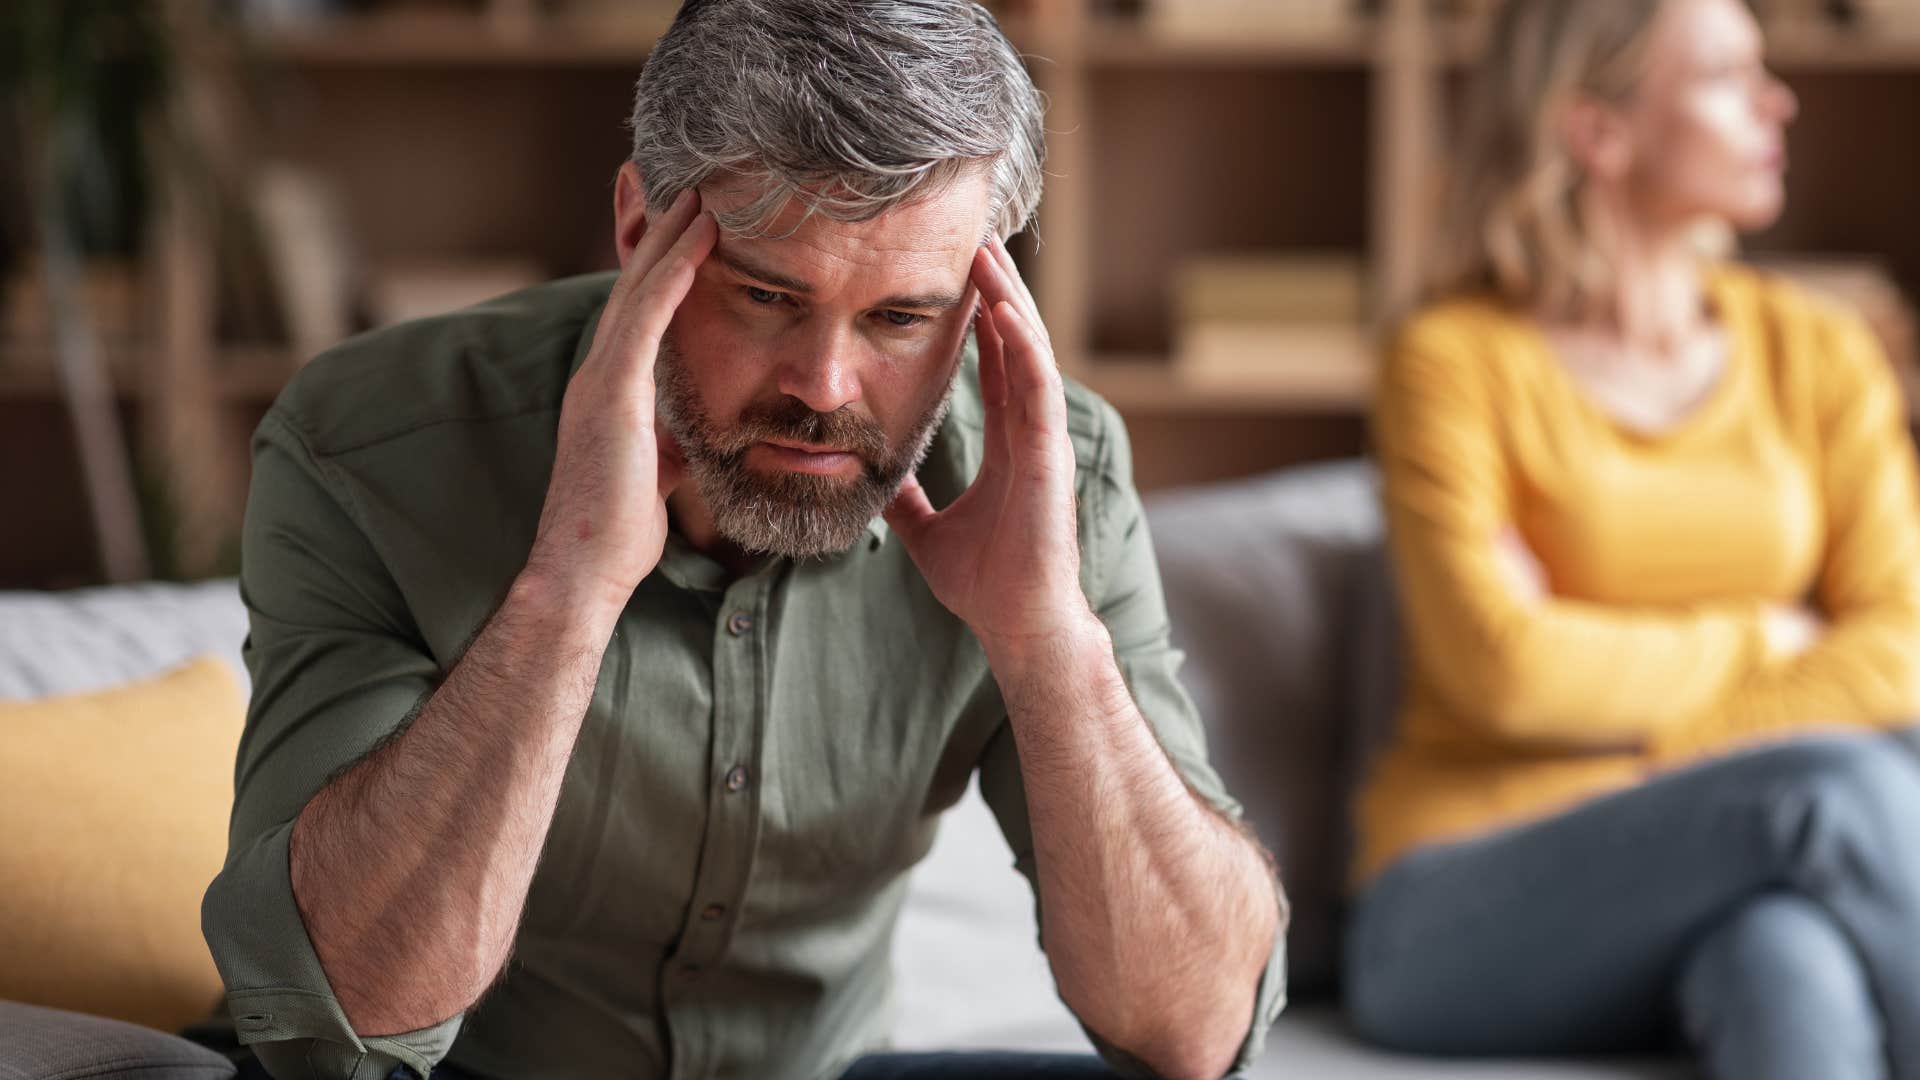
(1279,324)
(309,255)
(1313,364)
(1234,18)
(413,289)
(1306,286)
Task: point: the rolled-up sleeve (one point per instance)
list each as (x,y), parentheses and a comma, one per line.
(337,666)
(1122,580)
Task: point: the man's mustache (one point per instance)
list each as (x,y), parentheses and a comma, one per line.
(791,420)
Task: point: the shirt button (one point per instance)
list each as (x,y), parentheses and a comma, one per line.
(736,778)
(739,623)
(712,912)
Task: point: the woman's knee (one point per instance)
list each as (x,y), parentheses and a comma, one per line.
(1777,940)
(1778,989)
(1838,803)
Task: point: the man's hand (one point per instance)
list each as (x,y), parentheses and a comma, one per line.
(605,519)
(1005,557)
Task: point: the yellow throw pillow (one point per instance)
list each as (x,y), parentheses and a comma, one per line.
(113,819)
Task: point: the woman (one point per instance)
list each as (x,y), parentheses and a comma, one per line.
(1657,536)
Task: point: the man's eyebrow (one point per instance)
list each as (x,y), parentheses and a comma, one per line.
(924,301)
(937,301)
(780,281)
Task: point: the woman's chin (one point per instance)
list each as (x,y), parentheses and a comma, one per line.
(1761,209)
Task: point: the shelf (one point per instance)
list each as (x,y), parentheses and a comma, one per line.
(425,39)
(1126,44)
(1794,46)
(449,40)
(1145,384)
(457,40)
(245,374)
(1811,46)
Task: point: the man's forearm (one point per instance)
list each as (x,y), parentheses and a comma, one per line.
(1158,913)
(412,867)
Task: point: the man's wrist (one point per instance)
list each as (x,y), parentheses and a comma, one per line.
(575,609)
(1075,653)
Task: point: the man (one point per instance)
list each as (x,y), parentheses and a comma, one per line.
(617,644)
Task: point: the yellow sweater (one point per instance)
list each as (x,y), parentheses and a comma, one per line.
(1793,482)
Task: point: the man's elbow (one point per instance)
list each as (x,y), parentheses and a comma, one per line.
(1196,1042)
(1192,1057)
(383,1007)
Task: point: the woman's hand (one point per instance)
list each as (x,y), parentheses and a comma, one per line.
(1521,568)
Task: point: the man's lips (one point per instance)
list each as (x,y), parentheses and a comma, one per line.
(801,457)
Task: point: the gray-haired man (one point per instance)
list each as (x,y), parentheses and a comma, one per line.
(594,734)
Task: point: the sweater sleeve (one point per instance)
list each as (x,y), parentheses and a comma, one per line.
(1554,673)
(1865,670)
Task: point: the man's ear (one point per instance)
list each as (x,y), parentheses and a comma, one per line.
(629,210)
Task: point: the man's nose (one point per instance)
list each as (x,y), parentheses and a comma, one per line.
(821,372)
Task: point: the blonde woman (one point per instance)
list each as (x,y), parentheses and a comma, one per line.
(1657,535)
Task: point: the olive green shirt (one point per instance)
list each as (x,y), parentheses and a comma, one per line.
(763,760)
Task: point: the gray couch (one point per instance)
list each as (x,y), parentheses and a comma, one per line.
(1278,592)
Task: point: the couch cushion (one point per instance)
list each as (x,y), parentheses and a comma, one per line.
(1316,1042)
(971,976)
(1261,578)
(90,639)
(116,807)
(38,1043)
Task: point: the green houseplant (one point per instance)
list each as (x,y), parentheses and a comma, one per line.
(87,85)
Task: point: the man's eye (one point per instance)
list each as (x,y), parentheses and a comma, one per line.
(904,318)
(764,296)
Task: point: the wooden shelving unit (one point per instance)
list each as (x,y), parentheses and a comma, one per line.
(1147,384)
(241,375)
(451,40)
(495,133)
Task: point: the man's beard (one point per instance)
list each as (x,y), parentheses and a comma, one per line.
(793,514)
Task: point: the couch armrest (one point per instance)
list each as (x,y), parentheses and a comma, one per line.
(1263,579)
(38,1043)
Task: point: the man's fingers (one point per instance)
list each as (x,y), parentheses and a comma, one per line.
(989,279)
(663,230)
(672,466)
(993,361)
(1034,391)
(993,391)
(1022,297)
(997,288)
(910,511)
(664,287)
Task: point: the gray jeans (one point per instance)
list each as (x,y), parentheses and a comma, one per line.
(1764,908)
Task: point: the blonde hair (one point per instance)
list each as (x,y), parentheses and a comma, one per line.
(1517,218)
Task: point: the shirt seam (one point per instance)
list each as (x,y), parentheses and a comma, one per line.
(1101,476)
(414,428)
(324,470)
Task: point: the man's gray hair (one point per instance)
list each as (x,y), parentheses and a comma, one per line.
(850,106)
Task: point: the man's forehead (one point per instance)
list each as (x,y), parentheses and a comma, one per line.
(933,236)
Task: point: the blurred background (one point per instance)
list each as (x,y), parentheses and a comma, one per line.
(195,197)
